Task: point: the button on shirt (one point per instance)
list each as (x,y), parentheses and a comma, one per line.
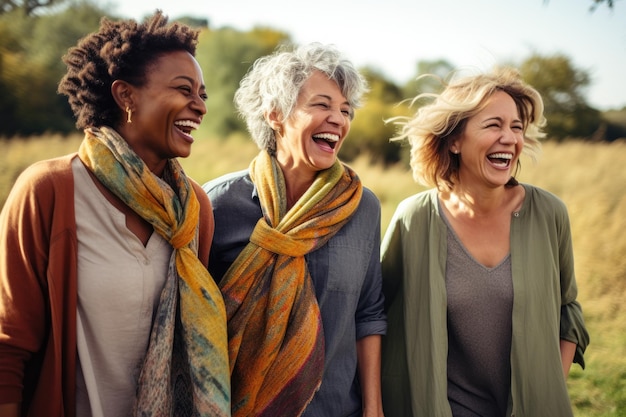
(345,273)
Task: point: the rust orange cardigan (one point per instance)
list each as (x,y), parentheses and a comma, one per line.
(38,288)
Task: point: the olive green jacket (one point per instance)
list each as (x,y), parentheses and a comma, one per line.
(545,309)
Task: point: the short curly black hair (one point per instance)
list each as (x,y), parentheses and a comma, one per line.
(119,50)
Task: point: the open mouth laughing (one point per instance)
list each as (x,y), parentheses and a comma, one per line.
(186,126)
(500,159)
(326,140)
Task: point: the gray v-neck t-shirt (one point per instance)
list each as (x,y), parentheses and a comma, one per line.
(479,317)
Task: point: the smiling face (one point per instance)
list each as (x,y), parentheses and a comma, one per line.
(311,137)
(165,110)
(491,143)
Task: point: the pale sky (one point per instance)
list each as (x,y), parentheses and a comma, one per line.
(393,35)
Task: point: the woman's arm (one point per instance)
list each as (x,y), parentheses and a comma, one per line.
(368,357)
(568,349)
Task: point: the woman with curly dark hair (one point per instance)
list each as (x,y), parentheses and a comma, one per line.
(106,305)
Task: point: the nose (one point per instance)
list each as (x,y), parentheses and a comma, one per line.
(509,136)
(337,117)
(198,105)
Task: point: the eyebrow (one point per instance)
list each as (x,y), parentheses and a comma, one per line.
(191,80)
(501,120)
(331,99)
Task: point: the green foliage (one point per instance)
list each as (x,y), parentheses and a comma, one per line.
(369,133)
(225,55)
(31,48)
(193,22)
(31,66)
(613,126)
(561,85)
(439,68)
(26,7)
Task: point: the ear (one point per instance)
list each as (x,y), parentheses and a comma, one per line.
(454,147)
(274,120)
(122,94)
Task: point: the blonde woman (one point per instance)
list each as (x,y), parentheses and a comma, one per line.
(478,271)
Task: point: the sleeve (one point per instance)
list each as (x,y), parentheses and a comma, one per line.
(392,259)
(572,325)
(23,262)
(370,315)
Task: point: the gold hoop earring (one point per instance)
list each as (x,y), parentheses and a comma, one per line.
(129,114)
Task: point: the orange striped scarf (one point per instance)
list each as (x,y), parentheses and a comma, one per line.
(185,372)
(276,341)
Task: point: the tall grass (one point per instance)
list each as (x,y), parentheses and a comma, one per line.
(590,178)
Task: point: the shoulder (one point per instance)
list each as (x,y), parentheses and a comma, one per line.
(45,179)
(416,212)
(49,170)
(203,199)
(538,198)
(369,200)
(42,199)
(417,203)
(228,183)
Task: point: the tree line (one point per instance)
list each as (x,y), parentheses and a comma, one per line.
(31,46)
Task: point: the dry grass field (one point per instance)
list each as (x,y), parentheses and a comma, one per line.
(590,178)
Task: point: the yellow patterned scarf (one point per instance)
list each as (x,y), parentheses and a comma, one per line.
(276,341)
(185,372)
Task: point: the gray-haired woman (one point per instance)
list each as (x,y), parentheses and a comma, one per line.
(296,247)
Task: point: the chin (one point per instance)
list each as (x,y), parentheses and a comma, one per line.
(183,153)
(326,163)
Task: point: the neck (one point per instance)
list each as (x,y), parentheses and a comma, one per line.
(296,184)
(156,165)
(476,203)
(484,203)
(295,188)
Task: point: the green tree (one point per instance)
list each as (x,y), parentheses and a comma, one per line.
(423,82)
(30,66)
(369,133)
(194,22)
(225,55)
(26,6)
(562,87)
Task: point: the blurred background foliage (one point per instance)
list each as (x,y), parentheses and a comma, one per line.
(34,35)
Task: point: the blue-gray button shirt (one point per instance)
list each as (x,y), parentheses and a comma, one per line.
(345,272)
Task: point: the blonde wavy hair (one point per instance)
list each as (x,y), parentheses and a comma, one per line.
(434,127)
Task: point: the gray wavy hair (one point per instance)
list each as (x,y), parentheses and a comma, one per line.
(273,83)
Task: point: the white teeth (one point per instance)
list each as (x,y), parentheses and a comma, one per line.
(501,156)
(187,123)
(327,136)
